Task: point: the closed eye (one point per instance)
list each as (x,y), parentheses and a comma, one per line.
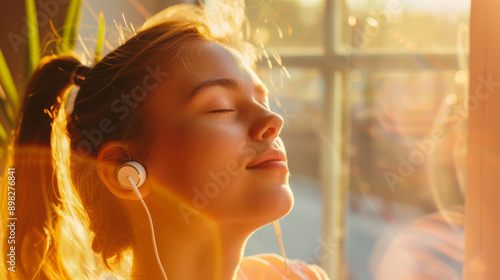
(223,111)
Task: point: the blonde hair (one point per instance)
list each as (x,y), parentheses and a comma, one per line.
(69,225)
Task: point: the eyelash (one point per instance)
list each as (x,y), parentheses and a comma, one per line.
(223,111)
(227,111)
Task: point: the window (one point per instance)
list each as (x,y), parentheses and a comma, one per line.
(375,122)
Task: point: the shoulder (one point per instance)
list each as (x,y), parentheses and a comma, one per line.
(271,266)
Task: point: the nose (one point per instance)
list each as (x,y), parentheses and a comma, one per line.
(267,125)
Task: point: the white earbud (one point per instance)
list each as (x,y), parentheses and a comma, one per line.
(131,169)
(131,175)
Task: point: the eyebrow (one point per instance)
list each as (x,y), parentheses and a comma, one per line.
(226,83)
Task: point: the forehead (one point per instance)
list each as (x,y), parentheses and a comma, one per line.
(211,60)
(202,61)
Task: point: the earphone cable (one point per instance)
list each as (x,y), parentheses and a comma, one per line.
(138,194)
(277,229)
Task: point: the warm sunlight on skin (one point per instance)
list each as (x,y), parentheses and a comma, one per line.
(212,122)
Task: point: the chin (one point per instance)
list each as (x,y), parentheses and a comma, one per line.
(287,201)
(269,204)
(276,206)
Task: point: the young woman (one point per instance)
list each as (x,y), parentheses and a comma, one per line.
(186,106)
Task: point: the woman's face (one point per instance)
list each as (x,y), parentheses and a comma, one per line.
(211,121)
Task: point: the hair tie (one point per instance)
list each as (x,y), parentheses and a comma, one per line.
(78,74)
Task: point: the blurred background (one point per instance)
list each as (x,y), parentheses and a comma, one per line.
(374,98)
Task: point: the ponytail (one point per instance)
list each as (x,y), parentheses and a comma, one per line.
(36,193)
(44,92)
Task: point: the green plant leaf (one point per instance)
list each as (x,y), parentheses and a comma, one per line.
(71,25)
(10,90)
(7,83)
(100,38)
(3,135)
(33,36)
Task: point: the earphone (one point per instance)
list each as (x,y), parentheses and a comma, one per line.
(132,175)
(134,170)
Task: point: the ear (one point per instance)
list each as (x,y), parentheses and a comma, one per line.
(111,155)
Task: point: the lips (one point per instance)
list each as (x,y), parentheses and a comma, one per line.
(270,158)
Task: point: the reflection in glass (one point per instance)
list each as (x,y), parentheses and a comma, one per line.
(407,152)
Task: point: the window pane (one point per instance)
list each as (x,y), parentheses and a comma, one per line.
(289,25)
(403,26)
(407,161)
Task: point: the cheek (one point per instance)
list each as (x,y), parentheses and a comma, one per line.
(190,154)
(209,147)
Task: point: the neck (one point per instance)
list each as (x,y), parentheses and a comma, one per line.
(199,249)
